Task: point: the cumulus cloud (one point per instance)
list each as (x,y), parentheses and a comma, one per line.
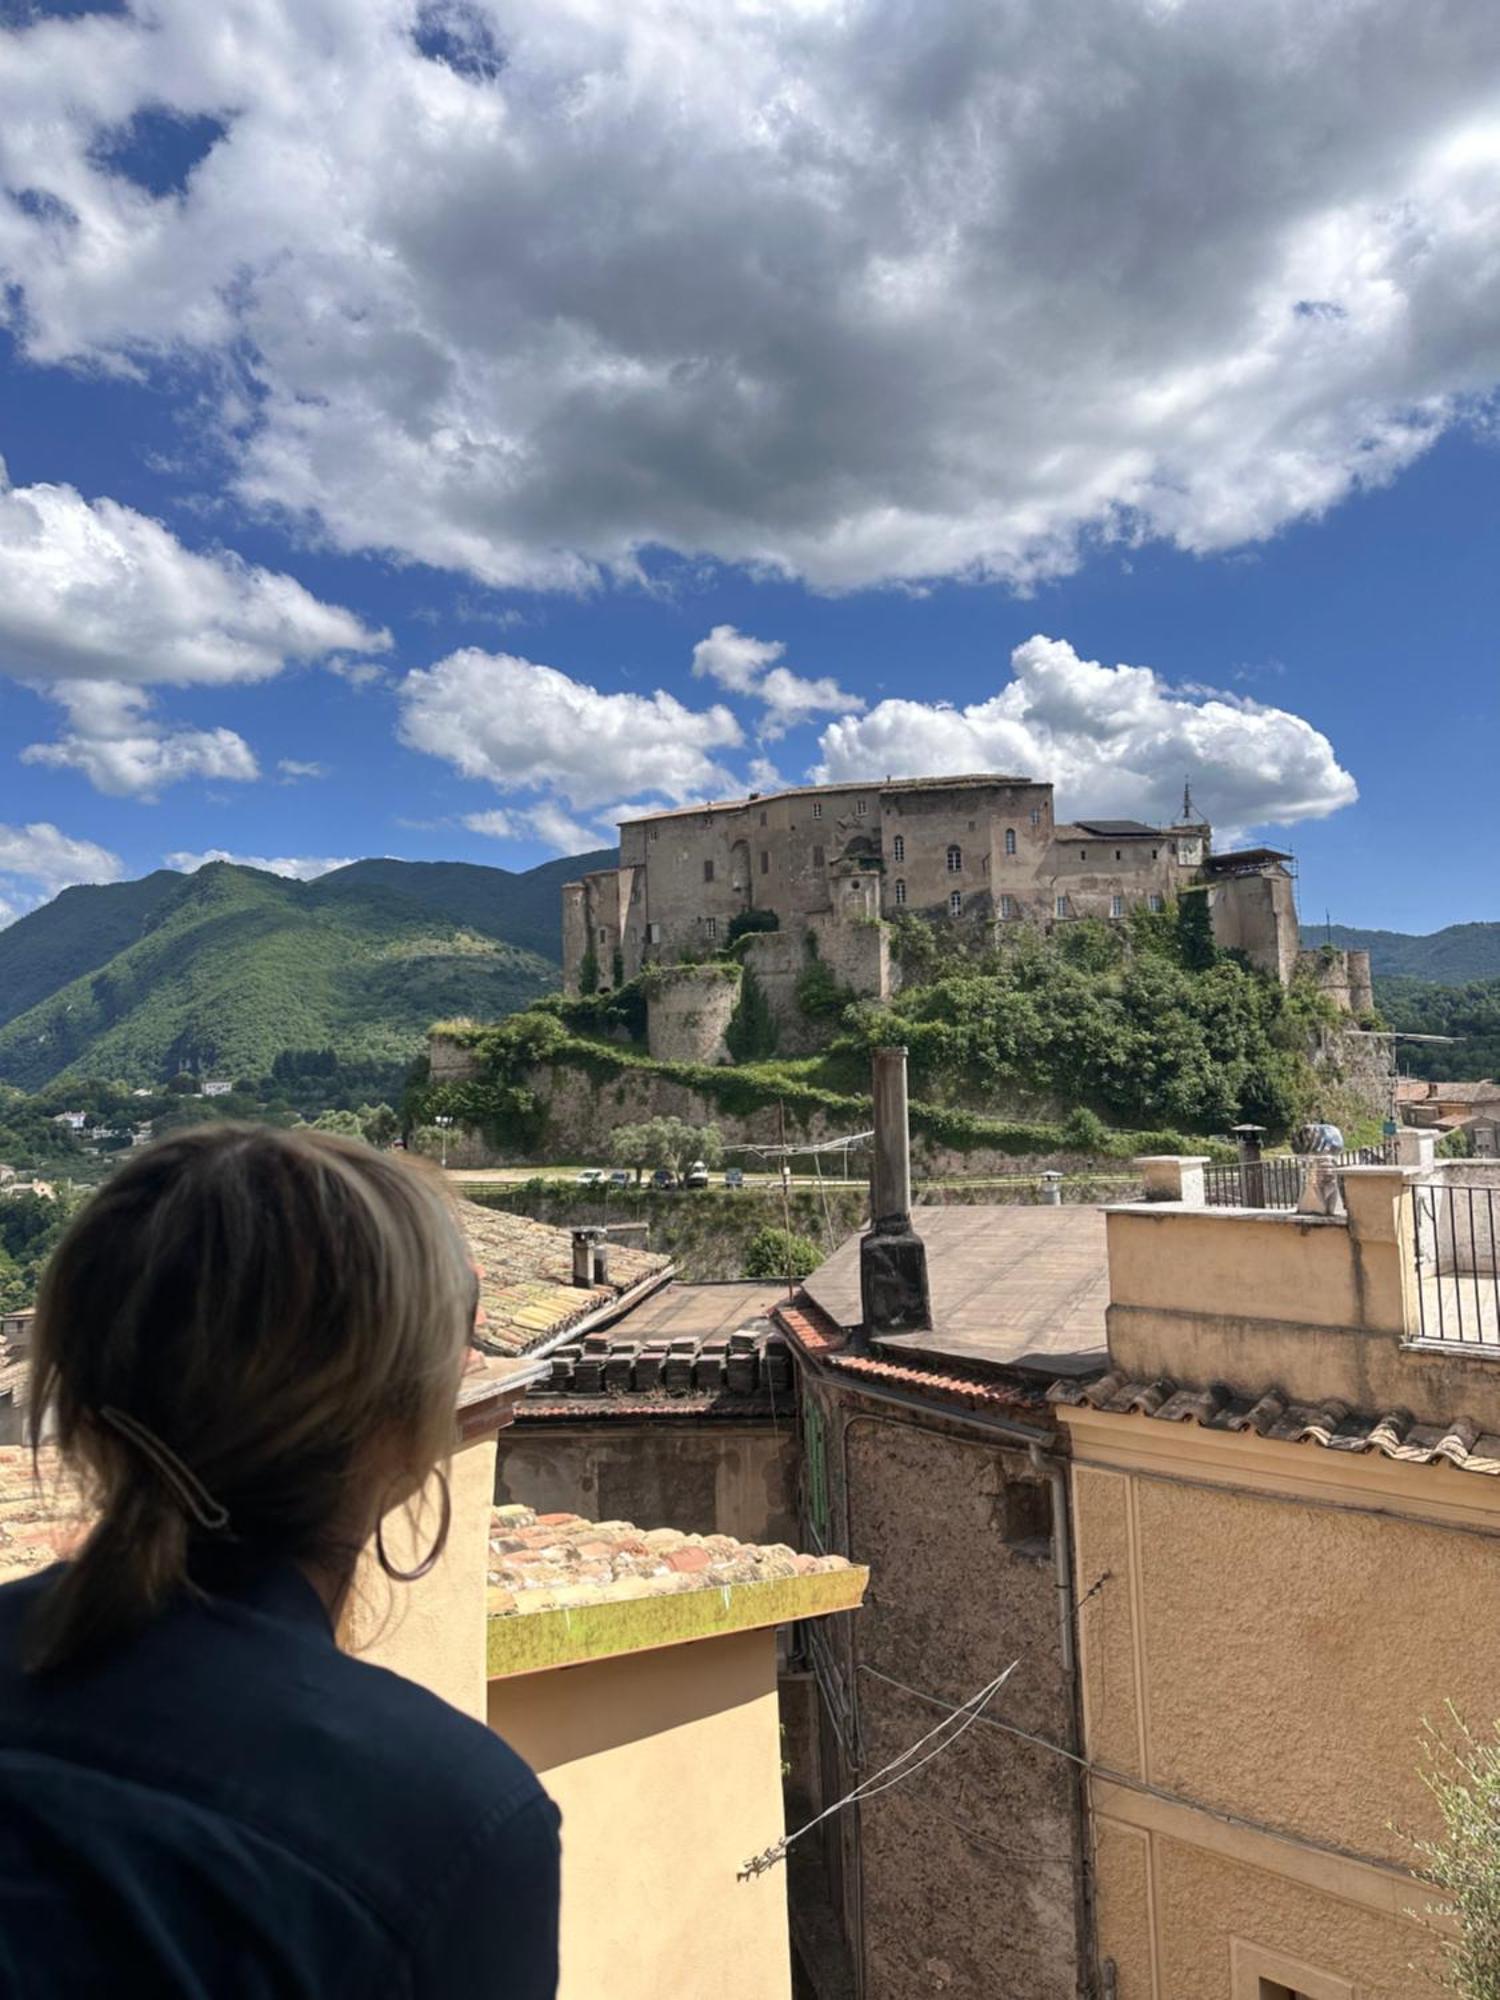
(546,821)
(38,860)
(93,591)
(859,292)
(1117,741)
(524,727)
(122,747)
(748,666)
(293,867)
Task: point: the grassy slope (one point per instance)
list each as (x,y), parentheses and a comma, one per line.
(1447,957)
(235,966)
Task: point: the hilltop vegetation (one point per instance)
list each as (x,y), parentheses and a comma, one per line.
(1097,1038)
(230,968)
(1447,957)
(1470,1013)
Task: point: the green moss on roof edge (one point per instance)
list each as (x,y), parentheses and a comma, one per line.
(535,1642)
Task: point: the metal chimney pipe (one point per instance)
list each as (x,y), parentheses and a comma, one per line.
(890,1182)
(892,1258)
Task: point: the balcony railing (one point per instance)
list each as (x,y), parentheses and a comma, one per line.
(1277,1180)
(1455,1234)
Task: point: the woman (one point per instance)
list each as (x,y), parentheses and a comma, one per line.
(250,1344)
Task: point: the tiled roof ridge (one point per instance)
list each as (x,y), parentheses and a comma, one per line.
(749,1364)
(1332,1424)
(550,1562)
(821,1338)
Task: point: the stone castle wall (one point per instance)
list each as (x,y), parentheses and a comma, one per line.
(688,1011)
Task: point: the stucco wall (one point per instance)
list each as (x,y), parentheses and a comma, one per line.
(432,1631)
(963,1877)
(1273,1627)
(666,1766)
(702,1477)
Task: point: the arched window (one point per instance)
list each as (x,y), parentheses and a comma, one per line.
(898,847)
(955,859)
(900,890)
(956,904)
(1010,840)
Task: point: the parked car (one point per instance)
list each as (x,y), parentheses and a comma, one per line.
(664,1178)
(696,1175)
(591,1177)
(734,1177)
(620,1178)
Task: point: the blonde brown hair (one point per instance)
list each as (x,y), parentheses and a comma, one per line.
(286,1313)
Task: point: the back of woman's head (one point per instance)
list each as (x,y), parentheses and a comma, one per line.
(285,1313)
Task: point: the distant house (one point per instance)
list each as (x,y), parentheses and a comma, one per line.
(216,1086)
(1453,1107)
(74,1120)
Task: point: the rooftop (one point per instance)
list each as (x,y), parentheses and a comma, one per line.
(526,1288)
(1114,829)
(878,785)
(1012,1287)
(685,1351)
(563,1590)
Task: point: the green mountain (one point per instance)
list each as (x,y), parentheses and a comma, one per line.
(227,968)
(1448,957)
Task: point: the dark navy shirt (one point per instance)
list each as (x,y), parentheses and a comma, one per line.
(229,1807)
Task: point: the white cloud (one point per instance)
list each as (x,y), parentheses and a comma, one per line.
(93,591)
(123,749)
(294,867)
(291,769)
(1116,741)
(38,860)
(524,727)
(747,666)
(546,821)
(859,292)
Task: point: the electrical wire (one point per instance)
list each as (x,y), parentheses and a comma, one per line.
(889,1775)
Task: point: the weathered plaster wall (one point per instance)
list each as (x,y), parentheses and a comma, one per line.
(1293,1701)
(963,1877)
(688,1009)
(702,1476)
(1257,914)
(666,1766)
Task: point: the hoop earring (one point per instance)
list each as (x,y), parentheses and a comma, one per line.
(429,1561)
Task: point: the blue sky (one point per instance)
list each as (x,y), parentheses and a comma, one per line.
(592,416)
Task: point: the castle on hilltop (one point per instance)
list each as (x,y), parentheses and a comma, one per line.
(827,862)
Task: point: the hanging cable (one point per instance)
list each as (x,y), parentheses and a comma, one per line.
(889,1775)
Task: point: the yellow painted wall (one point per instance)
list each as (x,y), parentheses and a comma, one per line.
(667,1768)
(1276,1625)
(432,1631)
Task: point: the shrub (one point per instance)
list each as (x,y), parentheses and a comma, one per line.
(1463,1864)
(751,1034)
(781,1253)
(749,922)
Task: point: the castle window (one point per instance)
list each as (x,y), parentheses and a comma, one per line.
(1010,840)
(711,925)
(765,861)
(1157,903)
(603,935)
(860,808)
(817,808)
(1117,906)
(1036,815)
(1153,854)
(1007,906)
(817,857)
(1083,854)
(898,847)
(762,819)
(956,904)
(1117,854)
(955,860)
(708,871)
(900,890)
(1060,907)
(654,832)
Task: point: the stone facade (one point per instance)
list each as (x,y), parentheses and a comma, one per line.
(977,850)
(688,1010)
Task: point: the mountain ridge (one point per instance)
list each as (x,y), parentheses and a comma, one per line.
(1448,957)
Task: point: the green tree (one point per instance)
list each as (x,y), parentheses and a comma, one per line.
(751,1034)
(1463,1863)
(1195,931)
(588,972)
(666,1142)
(346,1124)
(633,1146)
(379,1124)
(781,1253)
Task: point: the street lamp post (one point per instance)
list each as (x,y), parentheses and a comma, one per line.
(443,1124)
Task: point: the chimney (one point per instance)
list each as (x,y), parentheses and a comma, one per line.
(892,1257)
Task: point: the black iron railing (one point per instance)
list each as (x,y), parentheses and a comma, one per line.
(1456,1246)
(1276,1180)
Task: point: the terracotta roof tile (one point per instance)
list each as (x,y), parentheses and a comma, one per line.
(823,1339)
(1332,1424)
(526,1287)
(549,1562)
